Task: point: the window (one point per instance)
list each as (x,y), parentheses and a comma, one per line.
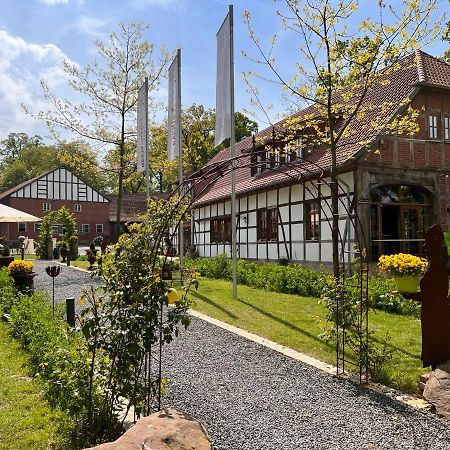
(301,149)
(99,228)
(220,229)
(83,229)
(58,228)
(37,227)
(433,128)
(77,207)
(46,207)
(447,128)
(22,226)
(267,224)
(311,212)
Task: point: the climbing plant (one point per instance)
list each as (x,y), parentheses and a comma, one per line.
(64,216)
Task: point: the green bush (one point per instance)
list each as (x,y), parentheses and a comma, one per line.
(299,280)
(8,293)
(293,279)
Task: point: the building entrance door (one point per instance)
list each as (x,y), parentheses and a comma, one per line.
(398,226)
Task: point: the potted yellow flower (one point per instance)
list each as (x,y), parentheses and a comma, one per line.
(22,273)
(405,268)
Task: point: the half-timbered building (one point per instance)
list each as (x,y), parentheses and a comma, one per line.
(49,192)
(395,185)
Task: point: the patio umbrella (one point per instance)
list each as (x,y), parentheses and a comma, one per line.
(11,215)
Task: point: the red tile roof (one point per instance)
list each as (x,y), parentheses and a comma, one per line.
(382,101)
(133,205)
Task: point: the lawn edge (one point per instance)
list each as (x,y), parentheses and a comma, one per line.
(417,403)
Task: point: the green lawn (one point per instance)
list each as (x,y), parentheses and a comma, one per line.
(295,322)
(80,264)
(26,420)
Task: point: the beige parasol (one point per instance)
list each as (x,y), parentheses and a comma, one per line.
(11,215)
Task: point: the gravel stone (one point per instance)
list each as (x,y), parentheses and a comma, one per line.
(254,398)
(69,283)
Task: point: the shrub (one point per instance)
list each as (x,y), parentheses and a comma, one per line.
(299,280)
(293,279)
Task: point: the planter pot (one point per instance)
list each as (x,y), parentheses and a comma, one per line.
(24,282)
(5,261)
(407,283)
(64,252)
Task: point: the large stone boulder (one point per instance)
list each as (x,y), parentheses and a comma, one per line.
(167,429)
(437,390)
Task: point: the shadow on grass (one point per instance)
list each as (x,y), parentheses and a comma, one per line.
(288,324)
(213,303)
(397,349)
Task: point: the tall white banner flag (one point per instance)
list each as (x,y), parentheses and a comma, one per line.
(142,129)
(223,86)
(173,126)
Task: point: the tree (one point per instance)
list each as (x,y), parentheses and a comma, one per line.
(339,61)
(446,37)
(109,86)
(15,143)
(133,181)
(197,138)
(35,160)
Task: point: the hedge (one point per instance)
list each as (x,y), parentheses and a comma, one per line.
(299,280)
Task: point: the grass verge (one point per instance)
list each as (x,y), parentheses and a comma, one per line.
(26,420)
(295,322)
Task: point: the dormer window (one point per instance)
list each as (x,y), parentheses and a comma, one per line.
(299,147)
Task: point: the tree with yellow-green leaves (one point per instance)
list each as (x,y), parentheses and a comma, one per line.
(108,88)
(340,59)
(197,141)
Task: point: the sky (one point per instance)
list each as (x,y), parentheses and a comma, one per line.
(36,36)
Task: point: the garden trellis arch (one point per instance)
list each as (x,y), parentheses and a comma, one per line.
(64,216)
(311,176)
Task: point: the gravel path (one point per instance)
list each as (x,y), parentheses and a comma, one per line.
(253,398)
(69,283)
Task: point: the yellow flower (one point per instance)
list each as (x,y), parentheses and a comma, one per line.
(172,296)
(20,267)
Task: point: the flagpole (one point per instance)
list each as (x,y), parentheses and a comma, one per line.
(233,156)
(147,156)
(180,154)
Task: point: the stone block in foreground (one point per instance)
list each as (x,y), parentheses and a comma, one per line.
(167,429)
(437,390)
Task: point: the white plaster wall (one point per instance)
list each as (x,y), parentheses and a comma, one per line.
(296,193)
(262,200)
(272,198)
(312,251)
(272,250)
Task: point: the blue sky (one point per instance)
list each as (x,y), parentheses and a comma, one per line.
(37,35)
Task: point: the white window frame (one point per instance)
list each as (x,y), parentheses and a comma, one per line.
(299,147)
(433,126)
(77,207)
(58,228)
(85,228)
(99,225)
(447,128)
(46,206)
(25,227)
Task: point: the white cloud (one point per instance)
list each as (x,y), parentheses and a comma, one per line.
(90,26)
(22,65)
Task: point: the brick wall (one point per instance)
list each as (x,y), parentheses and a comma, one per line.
(92,213)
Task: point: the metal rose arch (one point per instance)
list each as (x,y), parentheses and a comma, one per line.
(349,290)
